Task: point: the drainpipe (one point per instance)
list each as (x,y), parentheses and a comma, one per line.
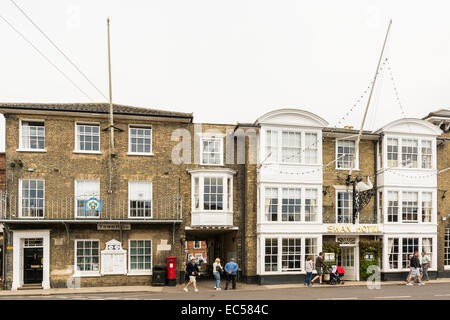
(244,213)
(5,255)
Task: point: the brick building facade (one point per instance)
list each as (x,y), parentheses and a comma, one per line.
(267,194)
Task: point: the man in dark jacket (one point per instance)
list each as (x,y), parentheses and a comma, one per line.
(192,271)
(415,269)
(319,268)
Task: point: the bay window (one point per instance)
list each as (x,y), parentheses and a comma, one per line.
(212,190)
(291,253)
(290,204)
(292,146)
(271,255)
(405,206)
(409,153)
(427,154)
(426,206)
(409,245)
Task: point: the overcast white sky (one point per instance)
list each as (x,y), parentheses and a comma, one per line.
(232,61)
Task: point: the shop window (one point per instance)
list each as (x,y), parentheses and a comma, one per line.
(197,244)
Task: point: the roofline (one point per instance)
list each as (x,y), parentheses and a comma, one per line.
(175,116)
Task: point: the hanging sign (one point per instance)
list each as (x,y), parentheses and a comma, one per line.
(93,204)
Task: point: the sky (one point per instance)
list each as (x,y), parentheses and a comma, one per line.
(233,61)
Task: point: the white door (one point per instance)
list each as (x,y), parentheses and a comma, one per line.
(348,262)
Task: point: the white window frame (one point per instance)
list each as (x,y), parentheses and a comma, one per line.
(142,126)
(142,272)
(20,200)
(350,192)
(76,181)
(79,273)
(400,236)
(226,206)
(280,188)
(76,149)
(419,139)
(277,159)
(355,165)
(129,199)
(21,147)
(280,238)
(220,140)
(420,191)
(447,247)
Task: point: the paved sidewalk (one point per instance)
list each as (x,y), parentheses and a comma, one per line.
(203,285)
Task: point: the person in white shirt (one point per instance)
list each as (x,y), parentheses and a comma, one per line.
(217,270)
(426,263)
(309,269)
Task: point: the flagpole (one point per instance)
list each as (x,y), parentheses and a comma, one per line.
(111,119)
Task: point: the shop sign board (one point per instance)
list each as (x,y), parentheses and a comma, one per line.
(354,228)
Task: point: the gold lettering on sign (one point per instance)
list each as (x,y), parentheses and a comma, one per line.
(353,229)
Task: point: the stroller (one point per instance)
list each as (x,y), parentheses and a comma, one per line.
(335,275)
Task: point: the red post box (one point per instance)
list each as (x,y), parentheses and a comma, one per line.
(171,271)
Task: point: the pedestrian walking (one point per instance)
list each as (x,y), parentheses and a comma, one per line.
(217,271)
(309,269)
(319,268)
(426,263)
(231,269)
(193,272)
(415,269)
(408,278)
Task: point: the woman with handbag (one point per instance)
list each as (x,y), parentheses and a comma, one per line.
(217,270)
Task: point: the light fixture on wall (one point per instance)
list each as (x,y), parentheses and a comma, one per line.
(325,190)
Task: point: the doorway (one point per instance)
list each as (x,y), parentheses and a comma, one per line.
(33,261)
(348,262)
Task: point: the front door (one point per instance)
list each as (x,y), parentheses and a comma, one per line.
(348,262)
(33,264)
